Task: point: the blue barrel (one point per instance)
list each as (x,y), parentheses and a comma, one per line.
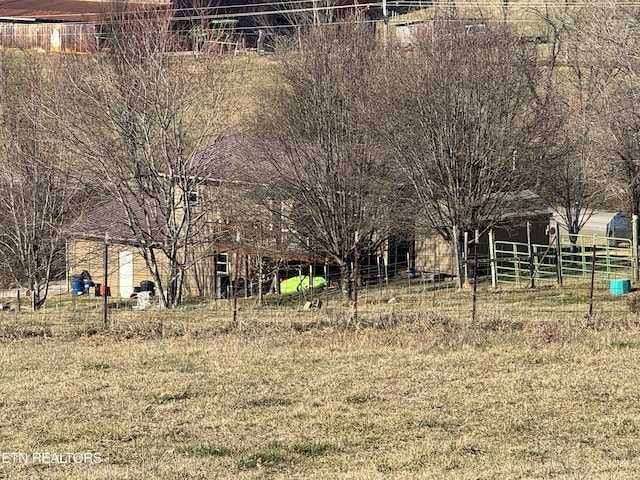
(77,286)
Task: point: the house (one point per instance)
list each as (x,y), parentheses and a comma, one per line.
(412,33)
(235,238)
(76,25)
(57,25)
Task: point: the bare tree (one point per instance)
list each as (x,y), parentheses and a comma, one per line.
(600,49)
(580,71)
(467,116)
(40,194)
(140,115)
(621,112)
(568,180)
(327,178)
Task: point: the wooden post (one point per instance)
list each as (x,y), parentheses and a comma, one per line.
(593,276)
(355,279)
(559,254)
(475,283)
(326,274)
(457,254)
(385,259)
(234,286)
(465,257)
(105,305)
(634,246)
(531,259)
(247,259)
(493,260)
(409,271)
(215,275)
(260,279)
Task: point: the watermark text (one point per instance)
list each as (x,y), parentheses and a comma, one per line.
(51,458)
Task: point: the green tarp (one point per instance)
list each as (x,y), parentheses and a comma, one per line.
(300,283)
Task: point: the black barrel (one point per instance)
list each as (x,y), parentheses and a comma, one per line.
(148,286)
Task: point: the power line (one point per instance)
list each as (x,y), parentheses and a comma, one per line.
(258,8)
(295,10)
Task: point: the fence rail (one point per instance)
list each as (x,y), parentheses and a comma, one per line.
(532,264)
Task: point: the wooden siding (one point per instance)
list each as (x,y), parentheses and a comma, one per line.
(432,254)
(50,37)
(89,255)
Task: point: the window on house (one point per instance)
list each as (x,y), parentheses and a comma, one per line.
(192,196)
(222,262)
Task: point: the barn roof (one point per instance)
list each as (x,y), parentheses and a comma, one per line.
(219,162)
(59,10)
(111,217)
(524,204)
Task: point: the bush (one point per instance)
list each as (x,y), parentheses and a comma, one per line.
(633,302)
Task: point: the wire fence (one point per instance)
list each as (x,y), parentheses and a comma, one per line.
(572,282)
(400,300)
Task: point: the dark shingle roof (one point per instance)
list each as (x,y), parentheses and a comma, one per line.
(111,217)
(523,205)
(59,10)
(221,161)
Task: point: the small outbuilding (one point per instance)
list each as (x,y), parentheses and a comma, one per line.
(525,219)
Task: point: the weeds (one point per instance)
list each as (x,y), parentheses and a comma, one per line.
(633,302)
(169,396)
(16,331)
(206,450)
(271,455)
(266,402)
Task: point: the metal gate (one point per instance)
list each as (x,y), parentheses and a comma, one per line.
(530,264)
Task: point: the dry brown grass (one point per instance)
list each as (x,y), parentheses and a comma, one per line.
(409,391)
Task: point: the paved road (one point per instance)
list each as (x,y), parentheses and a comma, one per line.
(597,224)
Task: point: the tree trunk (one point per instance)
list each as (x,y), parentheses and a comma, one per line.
(346,279)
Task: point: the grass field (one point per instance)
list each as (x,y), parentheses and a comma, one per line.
(410,390)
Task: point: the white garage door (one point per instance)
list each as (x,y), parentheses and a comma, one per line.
(125,276)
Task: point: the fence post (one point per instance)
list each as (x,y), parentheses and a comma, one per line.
(634,246)
(531,260)
(593,276)
(516,257)
(356,248)
(493,260)
(105,301)
(236,277)
(465,257)
(455,247)
(558,254)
